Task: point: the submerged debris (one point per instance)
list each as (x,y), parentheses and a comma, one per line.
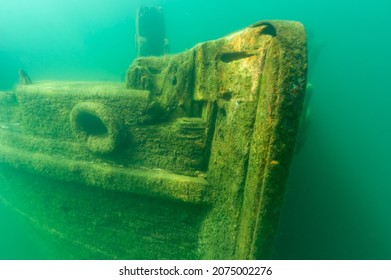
(24,78)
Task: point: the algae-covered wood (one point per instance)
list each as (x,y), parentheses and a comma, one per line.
(187,160)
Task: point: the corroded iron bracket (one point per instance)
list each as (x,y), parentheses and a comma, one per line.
(188,160)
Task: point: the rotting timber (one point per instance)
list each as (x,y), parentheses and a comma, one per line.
(188,160)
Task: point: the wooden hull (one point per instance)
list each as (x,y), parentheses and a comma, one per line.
(188,160)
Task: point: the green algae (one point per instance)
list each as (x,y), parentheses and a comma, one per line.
(187,160)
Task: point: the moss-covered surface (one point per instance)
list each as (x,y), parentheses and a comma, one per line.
(53,102)
(110,121)
(273,141)
(187,160)
(255,129)
(150,182)
(83,222)
(8,108)
(170,81)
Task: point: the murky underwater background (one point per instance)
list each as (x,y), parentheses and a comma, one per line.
(338,201)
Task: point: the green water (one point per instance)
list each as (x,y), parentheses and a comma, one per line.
(338,200)
(18,240)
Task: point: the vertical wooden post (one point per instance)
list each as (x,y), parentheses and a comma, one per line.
(150,34)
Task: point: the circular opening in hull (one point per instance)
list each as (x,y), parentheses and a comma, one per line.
(96,126)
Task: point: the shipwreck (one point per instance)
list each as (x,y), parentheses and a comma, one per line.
(187,159)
